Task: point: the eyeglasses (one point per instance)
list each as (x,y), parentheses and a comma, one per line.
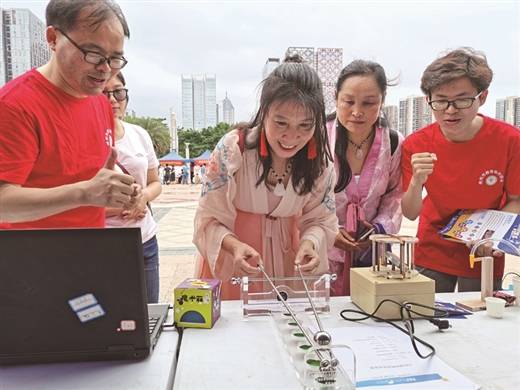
(95,58)
(459,104)
(119,94)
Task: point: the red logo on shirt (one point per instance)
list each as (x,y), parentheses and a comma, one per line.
(491,177)
(108,137)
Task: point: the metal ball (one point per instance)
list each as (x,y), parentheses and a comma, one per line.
(324,365)
(322,338)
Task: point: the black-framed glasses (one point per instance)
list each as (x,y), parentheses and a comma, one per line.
(95,58)
(459,104)
(120,94)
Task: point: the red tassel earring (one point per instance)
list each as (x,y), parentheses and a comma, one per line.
(311,149)
(263,145)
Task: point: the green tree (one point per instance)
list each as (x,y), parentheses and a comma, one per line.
(157,129)
(201,140)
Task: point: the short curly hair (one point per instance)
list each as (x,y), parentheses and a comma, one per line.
(462,62)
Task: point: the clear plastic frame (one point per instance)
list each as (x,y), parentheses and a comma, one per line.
(259,298)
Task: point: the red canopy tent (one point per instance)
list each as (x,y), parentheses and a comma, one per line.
(203,158)
(173,158)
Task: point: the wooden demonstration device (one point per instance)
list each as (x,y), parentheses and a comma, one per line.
(391,277)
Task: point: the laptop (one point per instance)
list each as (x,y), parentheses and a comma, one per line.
(74,295)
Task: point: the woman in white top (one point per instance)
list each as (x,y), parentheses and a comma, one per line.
(136,156)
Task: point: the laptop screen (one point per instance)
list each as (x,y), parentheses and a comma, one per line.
(75,294)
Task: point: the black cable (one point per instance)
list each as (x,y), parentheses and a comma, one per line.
(408,331)
(409,328)
(507,274)
(441,324)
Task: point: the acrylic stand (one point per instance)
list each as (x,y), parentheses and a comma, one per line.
(259,298)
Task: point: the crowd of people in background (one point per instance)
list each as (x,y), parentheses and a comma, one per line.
(290,189)
(171,174)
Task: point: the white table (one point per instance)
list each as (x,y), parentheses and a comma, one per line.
(155,372)
(247,354)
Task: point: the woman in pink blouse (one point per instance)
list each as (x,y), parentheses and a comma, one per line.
(268,194)
(367,158)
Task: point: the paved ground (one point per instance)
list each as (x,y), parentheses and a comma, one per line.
(174,210)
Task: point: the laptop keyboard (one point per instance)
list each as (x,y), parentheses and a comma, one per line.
(152,323)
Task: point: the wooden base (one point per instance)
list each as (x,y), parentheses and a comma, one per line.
(367,290)
(472,304)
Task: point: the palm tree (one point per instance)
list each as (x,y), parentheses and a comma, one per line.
(157,129)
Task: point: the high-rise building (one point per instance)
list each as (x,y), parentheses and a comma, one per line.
(306,53)
(199,108)
(269,66)
(517,112)
(508,110)
(187,102)
(228,111)
(328,63)
(403,112)
(2,52)
(174,139)
(199,101)
(500,111)
(414,114)
(391,114)
(22,43)
(210,101)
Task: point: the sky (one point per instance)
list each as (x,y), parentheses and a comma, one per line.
(233,40)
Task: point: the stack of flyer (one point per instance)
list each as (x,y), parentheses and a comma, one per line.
(473,225)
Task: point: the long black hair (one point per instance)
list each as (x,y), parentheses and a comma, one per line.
(355,68)
(297,82)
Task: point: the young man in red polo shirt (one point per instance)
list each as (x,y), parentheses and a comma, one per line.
(56,127)
(465,160)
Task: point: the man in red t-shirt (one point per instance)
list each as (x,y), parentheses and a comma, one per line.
(56,127)
(464,160)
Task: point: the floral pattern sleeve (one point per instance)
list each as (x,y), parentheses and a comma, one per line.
(215,215)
